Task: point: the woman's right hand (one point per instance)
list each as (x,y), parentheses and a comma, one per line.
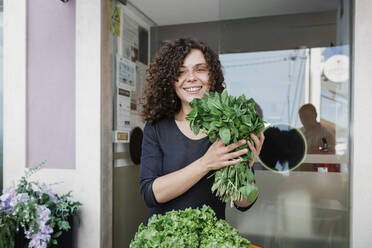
(219,155)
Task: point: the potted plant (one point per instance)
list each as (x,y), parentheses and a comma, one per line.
(32,215)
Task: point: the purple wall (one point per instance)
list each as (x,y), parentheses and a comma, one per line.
(51,83)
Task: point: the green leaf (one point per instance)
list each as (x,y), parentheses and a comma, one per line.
(214,187)
(214,102)
(225,98)
(222,190)
(44,197)
(250,175)
(253,194)
(212,138)
(57,234)
(235,131)
(244,129)
(216,112)
(50,204)
(231,173)
(225,135)
(64,225)
(247,120)
(250,155)
(249,191)
(194,113)
(195,129)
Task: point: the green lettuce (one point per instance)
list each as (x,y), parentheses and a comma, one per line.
(192,228)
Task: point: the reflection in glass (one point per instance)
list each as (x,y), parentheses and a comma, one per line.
(279,60)
(275,79)
(303,208)
(319,138)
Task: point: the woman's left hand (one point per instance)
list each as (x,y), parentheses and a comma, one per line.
(257,148)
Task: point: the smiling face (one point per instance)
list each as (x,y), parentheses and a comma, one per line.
(193,79)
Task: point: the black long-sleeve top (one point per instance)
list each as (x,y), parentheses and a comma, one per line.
(166,149)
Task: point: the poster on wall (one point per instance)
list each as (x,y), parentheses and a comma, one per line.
(126,74)
(128,47)
(123,109)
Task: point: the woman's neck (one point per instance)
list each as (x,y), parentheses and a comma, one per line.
(185,110)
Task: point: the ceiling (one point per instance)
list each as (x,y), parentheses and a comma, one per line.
(170,12)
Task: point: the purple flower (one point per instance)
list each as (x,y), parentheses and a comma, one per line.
(44,188)
(35,188)
(40,238)
(43,213)
(8,200)
(22,198)
(46,229)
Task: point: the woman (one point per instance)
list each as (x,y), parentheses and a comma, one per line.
(176,163)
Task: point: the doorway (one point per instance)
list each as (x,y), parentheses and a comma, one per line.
(277,54)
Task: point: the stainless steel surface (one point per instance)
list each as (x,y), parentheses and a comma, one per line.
(301,209)
(129,208)
(327,158)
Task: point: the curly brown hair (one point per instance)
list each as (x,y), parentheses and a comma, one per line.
(160,98)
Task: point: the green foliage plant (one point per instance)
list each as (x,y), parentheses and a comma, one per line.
(8,227)
(230,119)
(192,228)
(33,209)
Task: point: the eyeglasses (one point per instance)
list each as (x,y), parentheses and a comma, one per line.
(197,71)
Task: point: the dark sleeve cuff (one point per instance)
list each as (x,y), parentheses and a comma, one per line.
(148,194)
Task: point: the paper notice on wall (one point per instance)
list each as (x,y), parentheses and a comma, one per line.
(123,109)
(140,84)
(128,42)
(129,51)
(136,94)
(130,29)
(126,74)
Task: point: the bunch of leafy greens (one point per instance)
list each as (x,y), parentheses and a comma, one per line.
(193,228)
(230,119)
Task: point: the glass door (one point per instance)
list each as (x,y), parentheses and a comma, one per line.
(130,57)
(293,59)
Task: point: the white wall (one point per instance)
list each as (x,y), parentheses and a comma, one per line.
(85,180)
(361,168)
(14,89)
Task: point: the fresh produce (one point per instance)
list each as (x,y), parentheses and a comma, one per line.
(193,228)
(230,119)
